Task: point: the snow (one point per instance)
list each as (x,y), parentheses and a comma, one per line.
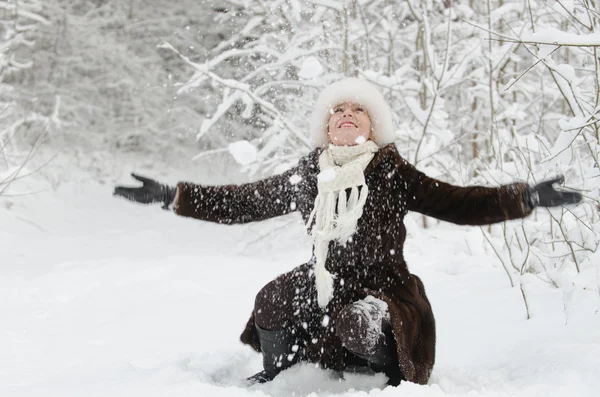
(360,139)
(295,179)
(103,297)
(545,50)
(243,152)
(568,72)
(327,175)
(558,37)
(572,123)
(310,68)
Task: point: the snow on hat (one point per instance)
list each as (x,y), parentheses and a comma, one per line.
(357,91)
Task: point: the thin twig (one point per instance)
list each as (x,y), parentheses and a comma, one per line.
(512,284)
(524,299)
(573,16)
(529,68)
(32,150)
(534,42)
(566,240)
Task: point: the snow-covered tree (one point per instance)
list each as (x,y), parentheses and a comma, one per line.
(19,23)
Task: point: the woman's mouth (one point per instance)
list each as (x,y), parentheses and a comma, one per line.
(347,124)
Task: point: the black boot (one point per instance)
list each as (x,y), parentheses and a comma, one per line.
(383,358)
(380,355)
(278,353)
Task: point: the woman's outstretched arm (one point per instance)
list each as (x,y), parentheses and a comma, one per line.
(228,204)
(250,202)
(479,205)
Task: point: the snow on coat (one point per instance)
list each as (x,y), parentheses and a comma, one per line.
(372,263)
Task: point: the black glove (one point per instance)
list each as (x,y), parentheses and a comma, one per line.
(151,191)
(544,195)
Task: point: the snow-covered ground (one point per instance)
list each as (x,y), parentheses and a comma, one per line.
(103,297)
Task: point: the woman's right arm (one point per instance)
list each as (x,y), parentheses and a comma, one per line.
(250,202)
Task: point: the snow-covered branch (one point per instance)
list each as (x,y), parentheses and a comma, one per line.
(269,108)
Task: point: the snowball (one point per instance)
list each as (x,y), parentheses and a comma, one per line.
(360,139)
(243,152)
(294,179)
(327,175)
(310,68)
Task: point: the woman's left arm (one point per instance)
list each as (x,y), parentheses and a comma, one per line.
(479,205)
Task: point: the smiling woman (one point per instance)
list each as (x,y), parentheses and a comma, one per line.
(355,306)
(349,125)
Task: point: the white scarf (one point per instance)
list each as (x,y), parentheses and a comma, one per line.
(342,167)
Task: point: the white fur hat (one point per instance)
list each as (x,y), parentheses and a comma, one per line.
(357,91)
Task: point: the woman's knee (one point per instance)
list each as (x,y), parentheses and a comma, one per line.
(362,326)
(263,303)
(279,302)
(266,294)
(273,305)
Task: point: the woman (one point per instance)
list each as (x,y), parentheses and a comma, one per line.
(355,305)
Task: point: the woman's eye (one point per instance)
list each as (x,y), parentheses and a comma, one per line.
(359,110)
(338,110)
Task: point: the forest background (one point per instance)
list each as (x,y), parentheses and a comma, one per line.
(483,92)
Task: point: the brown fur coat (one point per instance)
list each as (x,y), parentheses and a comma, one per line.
(373,262)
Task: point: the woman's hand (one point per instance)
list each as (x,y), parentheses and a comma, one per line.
(544,195)
(151,191)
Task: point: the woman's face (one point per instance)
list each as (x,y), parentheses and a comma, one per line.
(349,125)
